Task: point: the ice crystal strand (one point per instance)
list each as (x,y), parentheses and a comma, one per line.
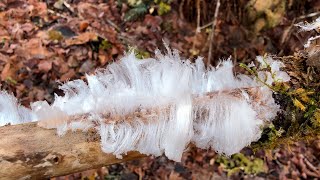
(160,105)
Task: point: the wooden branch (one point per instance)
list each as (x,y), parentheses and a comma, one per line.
(28,151)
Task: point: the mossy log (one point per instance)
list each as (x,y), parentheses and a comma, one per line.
(28,151)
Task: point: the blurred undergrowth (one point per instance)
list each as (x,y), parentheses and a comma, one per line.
(138,8)
(299,118)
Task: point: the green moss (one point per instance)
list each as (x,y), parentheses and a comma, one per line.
(140,54)
(137,11)
(112,177)
(163,8)
(300,118)
(134,2)
(167,26)
(138,8)
(265,13)
(105,45)
(10,80)
(269,138)
(3,41)
(55,35)
(240,162)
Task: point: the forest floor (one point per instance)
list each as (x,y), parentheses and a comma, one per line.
(45,42)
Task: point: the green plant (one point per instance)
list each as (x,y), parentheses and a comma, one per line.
(239,162)
(139,8)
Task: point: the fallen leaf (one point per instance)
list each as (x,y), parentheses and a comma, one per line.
(6,72)
(67,76)
(33,48)
(175,176)
(153,21)
(45,65)
(83,25)
(82,39)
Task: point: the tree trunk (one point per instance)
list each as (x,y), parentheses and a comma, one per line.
(31,152)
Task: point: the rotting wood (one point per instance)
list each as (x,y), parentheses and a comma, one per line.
(28,151)
(145,114)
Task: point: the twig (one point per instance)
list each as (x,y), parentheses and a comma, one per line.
(287,33)
(113,25)
(311,166)
(198,25)
(57,14)
(214,22)
(205,26)
(198,16)
(181,9)
(68,6)
(309,15)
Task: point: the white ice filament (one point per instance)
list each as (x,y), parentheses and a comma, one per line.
(160,105)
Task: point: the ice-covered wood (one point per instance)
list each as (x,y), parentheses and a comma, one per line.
(28,151)
(166,89)
(131,86)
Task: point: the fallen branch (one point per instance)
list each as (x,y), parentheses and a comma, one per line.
(170,104)
(214,22)
(29,151)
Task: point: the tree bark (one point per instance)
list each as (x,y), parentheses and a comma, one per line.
(28,151)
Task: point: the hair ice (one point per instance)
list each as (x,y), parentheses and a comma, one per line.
(160,105)
(309,26)
(11,112)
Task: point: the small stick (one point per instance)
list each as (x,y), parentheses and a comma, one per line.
(212,32)
(67,5)
(146,114)
(198,16)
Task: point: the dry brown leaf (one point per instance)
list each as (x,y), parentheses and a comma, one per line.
(102,59)
(4,58)
(153,21)
(6,72)
(83,25)
(88,10)
(33,49)
(67,76)
(82,38)
(45,65)
(175,176)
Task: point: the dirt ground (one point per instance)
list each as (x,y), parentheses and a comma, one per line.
(46,42)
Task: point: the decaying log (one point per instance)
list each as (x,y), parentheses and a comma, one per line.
(28,151)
